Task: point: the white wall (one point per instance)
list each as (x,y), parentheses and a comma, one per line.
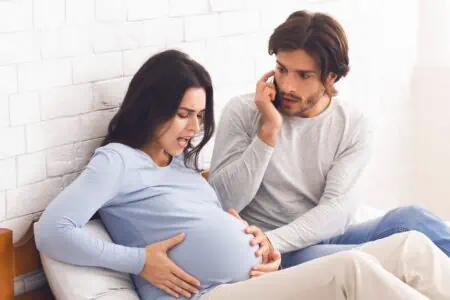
(431,90)
(65,65)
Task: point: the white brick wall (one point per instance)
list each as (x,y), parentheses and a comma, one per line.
(16,15)
(8,78)
(65,66)
(4,111)
(24,108)
(97,67)
(31,168)
(66,101)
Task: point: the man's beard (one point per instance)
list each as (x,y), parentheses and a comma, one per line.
(305,105)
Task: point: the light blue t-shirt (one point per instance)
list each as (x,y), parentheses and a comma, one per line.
(141,203)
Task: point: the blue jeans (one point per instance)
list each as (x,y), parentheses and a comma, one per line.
(398,220)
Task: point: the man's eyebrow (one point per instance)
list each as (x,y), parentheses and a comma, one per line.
(298,71)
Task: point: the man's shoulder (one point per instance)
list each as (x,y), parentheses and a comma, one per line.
(349,112)
(242,103)
(353,116)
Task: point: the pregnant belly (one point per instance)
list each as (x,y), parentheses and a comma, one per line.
(216,250)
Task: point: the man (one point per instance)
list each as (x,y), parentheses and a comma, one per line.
(289,157)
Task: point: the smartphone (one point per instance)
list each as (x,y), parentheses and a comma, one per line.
(277,101)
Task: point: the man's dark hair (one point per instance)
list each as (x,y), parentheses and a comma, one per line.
(320,36)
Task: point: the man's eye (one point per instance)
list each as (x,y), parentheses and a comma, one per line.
(281,70)
(305,76)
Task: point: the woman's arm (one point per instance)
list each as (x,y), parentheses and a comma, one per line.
(59,232)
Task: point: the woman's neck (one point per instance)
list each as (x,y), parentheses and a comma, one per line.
(157,154)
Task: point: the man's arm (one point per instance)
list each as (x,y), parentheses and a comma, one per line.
(337,204)
(239,161)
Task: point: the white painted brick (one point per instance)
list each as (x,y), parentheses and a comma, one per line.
(225,71)
(4,111)
(71,158)
(84,152)
(45,74)
(61,160)
(110,10)
(16,15)
(220,5)
(110,94)
(19,226)
(8,79)
(66,41)
(68,179)
(52,133)
(12,141)
(235,47)
(192,7)
(32,198)
(80,11)
(18,47)
(197,50)
(173,30)
(66,101)
(98,67)
(2,206)
(31,168)
(49,13)
(201,27)
(238,22)
(24,108)
(144,9)
(7,174)
(95,125)
(134,59)
(143,34)
(108,37)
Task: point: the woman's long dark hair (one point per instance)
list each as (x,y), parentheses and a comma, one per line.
(153,98)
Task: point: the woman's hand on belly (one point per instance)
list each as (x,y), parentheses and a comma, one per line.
(164,274)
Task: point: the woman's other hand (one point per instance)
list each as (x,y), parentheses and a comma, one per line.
(163,273)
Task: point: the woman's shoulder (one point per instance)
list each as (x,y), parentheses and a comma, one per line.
(118,153)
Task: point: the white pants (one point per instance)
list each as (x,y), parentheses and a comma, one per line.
(403,266)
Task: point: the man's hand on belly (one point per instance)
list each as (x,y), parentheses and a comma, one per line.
(271,257)
(272,266)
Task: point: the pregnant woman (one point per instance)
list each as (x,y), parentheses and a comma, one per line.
(169,229)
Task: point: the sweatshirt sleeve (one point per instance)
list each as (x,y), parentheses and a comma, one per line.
(339,200)
(59,233)
(239,160)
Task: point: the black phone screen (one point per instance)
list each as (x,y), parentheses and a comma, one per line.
(277,101)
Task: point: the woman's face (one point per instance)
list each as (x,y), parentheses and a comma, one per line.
(173,137)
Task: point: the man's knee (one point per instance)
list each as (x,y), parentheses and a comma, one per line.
(411,217)
(410,211)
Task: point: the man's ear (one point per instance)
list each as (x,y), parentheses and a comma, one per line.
(331,79)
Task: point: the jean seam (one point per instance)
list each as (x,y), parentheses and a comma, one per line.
(391,231)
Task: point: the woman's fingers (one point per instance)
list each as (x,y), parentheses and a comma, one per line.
(183,286)
(188,279)
(168,290)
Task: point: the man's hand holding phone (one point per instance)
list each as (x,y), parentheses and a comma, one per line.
(271,119)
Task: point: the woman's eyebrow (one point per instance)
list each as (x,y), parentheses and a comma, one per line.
(190,110)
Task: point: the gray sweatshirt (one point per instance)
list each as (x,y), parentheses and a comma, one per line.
(301,191)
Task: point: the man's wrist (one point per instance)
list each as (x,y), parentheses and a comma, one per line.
(268,134)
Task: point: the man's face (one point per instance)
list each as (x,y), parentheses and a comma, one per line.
(298,79)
